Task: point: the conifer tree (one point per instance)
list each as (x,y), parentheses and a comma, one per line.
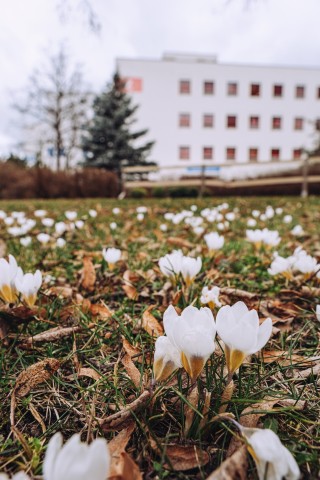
(109,142)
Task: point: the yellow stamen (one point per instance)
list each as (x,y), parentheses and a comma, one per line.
(234,359)
(162,371)
(8,294)
(192,365)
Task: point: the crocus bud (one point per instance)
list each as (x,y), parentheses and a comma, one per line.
(28,285)
(214,241)
(273,460)
(76,460)
(192,334)
(111,256)
(170,264)
(190,267)
(238,327)
(8,273)
(166,359)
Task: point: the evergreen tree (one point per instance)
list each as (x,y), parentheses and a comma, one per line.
(109,142)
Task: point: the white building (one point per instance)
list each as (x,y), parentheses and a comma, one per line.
(200,111)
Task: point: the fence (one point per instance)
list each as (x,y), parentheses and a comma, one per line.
(219,175)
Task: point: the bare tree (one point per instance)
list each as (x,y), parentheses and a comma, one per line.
(56,107)
(83,9)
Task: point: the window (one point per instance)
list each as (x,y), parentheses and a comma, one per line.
(297,153)
(299,91)
(298,123)
(318,92)
(253,154)
(254,122)
(276,123)
(317,124)
(208,88)
(207,153)
(255,90)
(184,153)
(208,120)
(277,90)
(184,120)
(184,86)
(275,154)
(230,153)
(231,121)
(232,89)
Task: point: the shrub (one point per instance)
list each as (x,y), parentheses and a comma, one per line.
(159,192)
(138,193)
(176,192)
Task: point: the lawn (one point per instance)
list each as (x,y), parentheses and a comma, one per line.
(75,360)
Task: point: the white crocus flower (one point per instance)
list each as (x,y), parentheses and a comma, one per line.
(190,267)
(76,460)
(166,359)
(210,297)
(251,222)
(8,272)
(297,231)
(40,213)
(116,211)
(281,266)
(47,222)
(287,219)
(43,238)
(142,209)
(163,227)
(318,312)
(279,211)
(273,460)
(193,335)
(113,226)
(198,231)
(9,221)
(28,285)
(93,213)
(60,243)
(60,227)
(255,213)
(79,224)
(140,217)
(25,241)
(214,241)
(238,327)
(306,264)
(111,256)
(71,215)
(170,264)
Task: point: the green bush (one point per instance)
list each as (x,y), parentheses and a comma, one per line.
(138,193)
(176,192)
(159,192)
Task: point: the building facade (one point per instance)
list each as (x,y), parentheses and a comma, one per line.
(200,111)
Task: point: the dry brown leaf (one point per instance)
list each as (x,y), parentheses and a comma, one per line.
(130,349)
(3,248)
(88,276)
(37,373)
(179,242)
(285,358)
(151,324)
(89,372)
(38,417)
(60,291)
(186,457)
(131,370)
(124,416)
(122,466)
(226,397)
(52,335)
(130,291)
(189,412)
(238,293)
(233,468)
(130,277)
(101,310)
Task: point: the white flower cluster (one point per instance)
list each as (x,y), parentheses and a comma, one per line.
(299,262)
(265,236)
(175,263)
(13,282)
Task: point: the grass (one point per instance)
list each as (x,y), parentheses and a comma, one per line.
(69,402)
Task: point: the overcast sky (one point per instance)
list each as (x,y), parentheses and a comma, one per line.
(282,32)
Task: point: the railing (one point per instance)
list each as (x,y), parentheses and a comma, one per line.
(208,175)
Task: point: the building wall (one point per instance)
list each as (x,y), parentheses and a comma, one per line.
(154,85)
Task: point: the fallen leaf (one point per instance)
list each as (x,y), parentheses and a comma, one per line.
(88,277)
(37,373)
(89,372)
(131,370)
(122,465)
(130,349)
(179,242)
(60,291)
(186,457)
(101,310)
(151,324)
(130,291)
(189,412)
(233,468)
